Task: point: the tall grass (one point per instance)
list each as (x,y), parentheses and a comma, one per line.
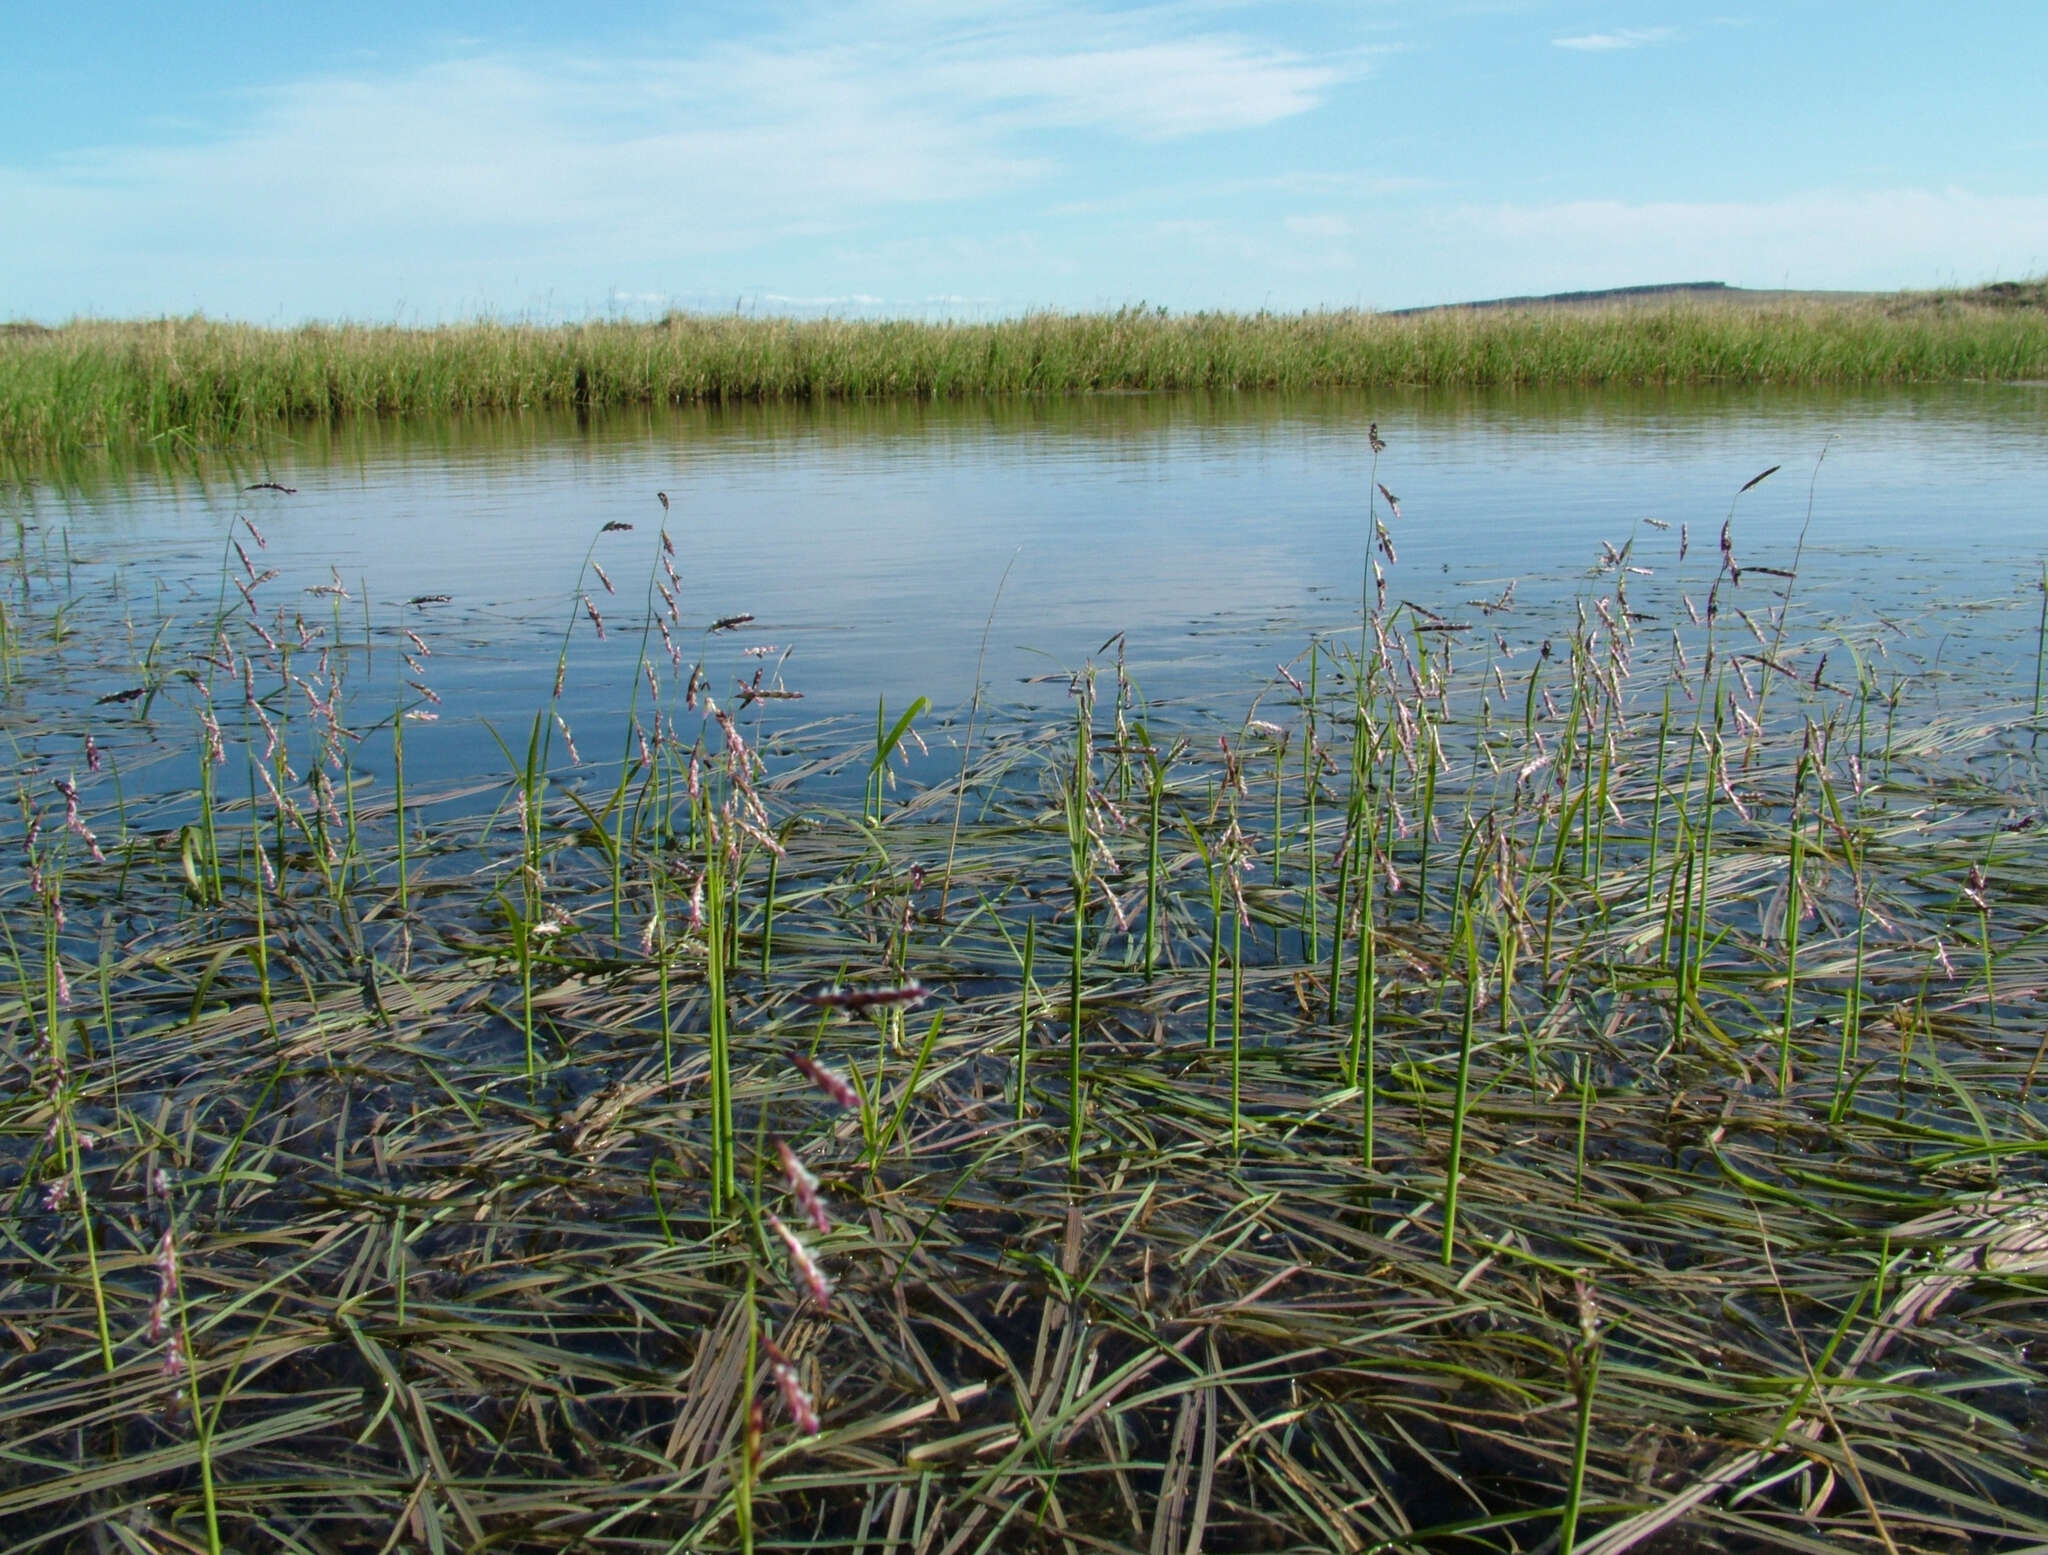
(195,382)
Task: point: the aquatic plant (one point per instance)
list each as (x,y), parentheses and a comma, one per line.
(463,1168)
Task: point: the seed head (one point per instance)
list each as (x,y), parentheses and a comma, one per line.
(803,1187)
(833,1085)
(800,1259)
(794,1398)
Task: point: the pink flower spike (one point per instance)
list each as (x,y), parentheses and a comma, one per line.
(166,1284)
(803,1187)
(801,1411)
(801,1260)
(857,999)
(824,1079)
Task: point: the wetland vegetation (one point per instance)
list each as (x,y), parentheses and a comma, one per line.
(1518,1083)
(194,384)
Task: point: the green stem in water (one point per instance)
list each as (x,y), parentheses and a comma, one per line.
(1459,1099)
(723,1185)
(2041,642)
(1585,1376)
(1156,793)
(660,942)
(1585,1109)
(1363,1001)
(768,914)
(76,1162)
(398,807)
(1351,840)
(1024,1014)
(1657,804)
(1314,950)
(1428,738)
(1794,910)
(1236,1030)
(1215,953)
(750,1445)
(1279,800)
(1074,1026)
(1715,772)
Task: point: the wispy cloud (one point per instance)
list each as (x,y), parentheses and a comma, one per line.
(1620,38)
(1156,92)
(478,173)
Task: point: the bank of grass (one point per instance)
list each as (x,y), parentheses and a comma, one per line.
(1498,1097)
(202,384)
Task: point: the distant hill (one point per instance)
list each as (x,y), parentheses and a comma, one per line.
(1669,291)
(1998,294)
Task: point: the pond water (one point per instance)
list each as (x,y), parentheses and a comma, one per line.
(1220,535)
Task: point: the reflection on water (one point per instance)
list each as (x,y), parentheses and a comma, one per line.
(1219,533)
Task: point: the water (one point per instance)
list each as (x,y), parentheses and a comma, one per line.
(1218,535)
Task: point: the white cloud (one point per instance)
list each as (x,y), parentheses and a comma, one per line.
(1153,91)
(483,179)
(854,300)
(1620,38)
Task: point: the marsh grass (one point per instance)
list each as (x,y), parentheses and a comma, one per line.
(187,384)
(1700,1199)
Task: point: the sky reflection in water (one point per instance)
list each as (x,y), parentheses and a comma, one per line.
(1219,533)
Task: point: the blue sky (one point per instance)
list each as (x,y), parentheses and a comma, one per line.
(426,162)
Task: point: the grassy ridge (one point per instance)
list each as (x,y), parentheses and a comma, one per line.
(194,382)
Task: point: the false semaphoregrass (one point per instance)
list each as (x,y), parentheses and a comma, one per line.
(495,1201)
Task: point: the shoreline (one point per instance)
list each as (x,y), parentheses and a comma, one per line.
(109,388)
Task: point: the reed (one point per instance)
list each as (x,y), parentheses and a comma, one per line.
(194,382)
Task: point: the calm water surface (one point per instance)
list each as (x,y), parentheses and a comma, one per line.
(1219,534)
